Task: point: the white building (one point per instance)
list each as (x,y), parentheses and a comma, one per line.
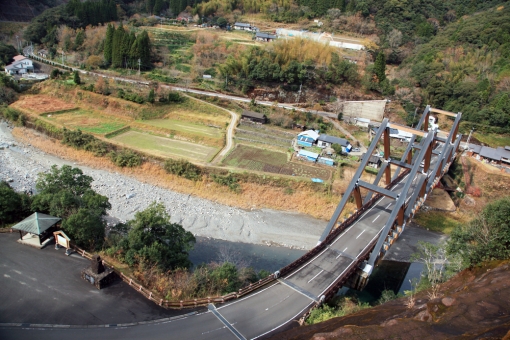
(20,65)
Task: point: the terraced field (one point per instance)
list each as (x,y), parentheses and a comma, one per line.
(247,157)
(183,126)
(165,147)
(87,121)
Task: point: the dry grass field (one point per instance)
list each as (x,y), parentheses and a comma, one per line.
(42,104)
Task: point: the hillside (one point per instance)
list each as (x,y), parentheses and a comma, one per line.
(472,305)
(25,10)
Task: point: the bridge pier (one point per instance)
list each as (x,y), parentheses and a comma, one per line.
(359,279)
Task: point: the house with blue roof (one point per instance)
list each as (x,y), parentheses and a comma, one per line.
(308,155)
(307,138)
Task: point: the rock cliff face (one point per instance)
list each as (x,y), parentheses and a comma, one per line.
(473,305)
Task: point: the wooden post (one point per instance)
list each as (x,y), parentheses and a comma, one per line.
(357,197)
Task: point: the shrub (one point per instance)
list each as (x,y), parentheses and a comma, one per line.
(125,158)
(183,168)
(229,180)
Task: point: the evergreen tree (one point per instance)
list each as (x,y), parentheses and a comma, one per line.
(76,78)
(380,66)
(118,38)
(108,43)
(151,98)
(158,6)
(79,39)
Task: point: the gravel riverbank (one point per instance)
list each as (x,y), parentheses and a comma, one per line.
(21,163)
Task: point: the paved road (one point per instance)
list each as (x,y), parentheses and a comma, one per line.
(263,313)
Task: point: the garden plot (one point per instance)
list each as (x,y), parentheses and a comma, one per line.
(165,147)
(251,158)
(183,126)
(86,121)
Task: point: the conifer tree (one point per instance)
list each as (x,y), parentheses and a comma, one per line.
(108,43)
(380,66)
(76,78)
(118,38)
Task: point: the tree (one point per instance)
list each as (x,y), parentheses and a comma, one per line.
(151,98)
(395,38)
(380,66)
(485,238)
(154,240)
(66,192)
(76,78)
(108,43)
(10,202)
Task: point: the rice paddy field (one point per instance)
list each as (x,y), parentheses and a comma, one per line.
(87,121)
(165,147)
(184,126)
(247,157)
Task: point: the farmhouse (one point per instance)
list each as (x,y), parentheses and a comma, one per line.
(373,161)
(20,65)
(254,116)
(307,138)
(185,16)
(266,37)
(244,26)
(325,141)
(500,156)
(308,155)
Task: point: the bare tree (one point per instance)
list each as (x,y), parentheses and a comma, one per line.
(395,38)
(231,255)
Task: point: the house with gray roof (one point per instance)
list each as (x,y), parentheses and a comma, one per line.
(20,65)
(500,155)
(266,37)
(325,141)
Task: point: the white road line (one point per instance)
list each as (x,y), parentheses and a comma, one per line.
(376,218)
(315,276)
(388,206)
(344,250)
(360,234)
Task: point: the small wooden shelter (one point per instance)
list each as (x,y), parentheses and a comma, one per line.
(37,224)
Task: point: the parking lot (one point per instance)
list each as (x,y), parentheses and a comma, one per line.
(44,286)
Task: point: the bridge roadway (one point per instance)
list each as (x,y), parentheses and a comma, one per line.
(261,313)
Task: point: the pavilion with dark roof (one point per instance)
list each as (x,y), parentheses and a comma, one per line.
(35,229)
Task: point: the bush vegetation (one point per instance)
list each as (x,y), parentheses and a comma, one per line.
(125,158)
(183,168)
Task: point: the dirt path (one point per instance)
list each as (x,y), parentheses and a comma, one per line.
(230,130)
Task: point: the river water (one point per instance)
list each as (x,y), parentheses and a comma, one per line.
(388,275)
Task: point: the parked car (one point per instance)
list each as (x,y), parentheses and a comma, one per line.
(356,150)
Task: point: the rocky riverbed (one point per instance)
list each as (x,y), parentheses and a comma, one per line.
(20,164)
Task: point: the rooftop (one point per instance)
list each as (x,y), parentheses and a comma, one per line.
(252,114)
(265,35)
(333,140)
(36,223)
(308,154)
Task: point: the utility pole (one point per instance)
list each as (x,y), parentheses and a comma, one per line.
(63,57)
(469,137)
(17,43)
(299,93)
(139,61)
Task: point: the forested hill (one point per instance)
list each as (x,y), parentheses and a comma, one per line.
(465,67)
(25,10)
